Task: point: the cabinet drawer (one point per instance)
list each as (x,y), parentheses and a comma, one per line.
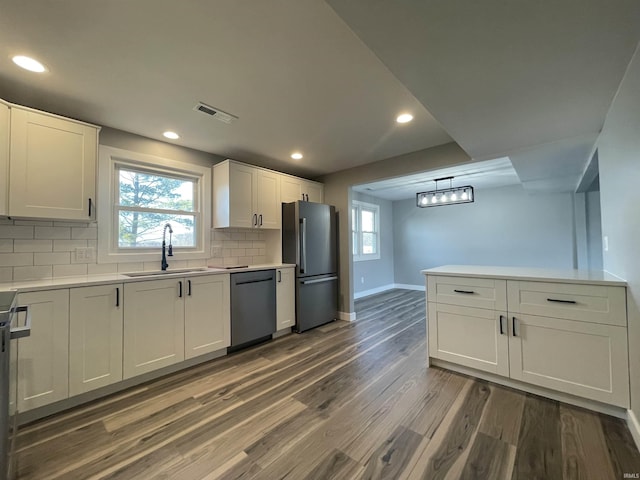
(474,337)
(586,303)
(467,292)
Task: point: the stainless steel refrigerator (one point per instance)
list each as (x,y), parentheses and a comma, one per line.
(309,239)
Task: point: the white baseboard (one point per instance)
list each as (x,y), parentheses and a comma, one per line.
(373,291)
(634,427)
(348,316)
(408,286)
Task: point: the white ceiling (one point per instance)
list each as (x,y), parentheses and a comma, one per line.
(293,72)
(531,80)
(528,80)
(480,175)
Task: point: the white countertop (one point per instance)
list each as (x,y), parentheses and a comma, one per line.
(87,280)
(593,277)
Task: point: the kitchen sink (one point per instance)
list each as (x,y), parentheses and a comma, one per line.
(152,273)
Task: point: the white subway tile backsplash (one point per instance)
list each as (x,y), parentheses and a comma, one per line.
(230,261)
(259,260)
(218,235)
(131,267)
(67,245)
(32,273)
(238,236)
(39,223)
(6,245)
(245,244)
(6,274)
(71,224)
(252,251)
(260,244)
(245,260)
(53,233)
(15,259)
(252,236)
(52,258)
(196,263)
(69,270)
(230,244)
(102,268)
(29,245)
(86,233)
(238,252)
(13,231)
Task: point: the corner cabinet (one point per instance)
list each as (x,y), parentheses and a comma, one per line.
(285,298)
(293,189)
(245,196)
(567,337)
(52,170)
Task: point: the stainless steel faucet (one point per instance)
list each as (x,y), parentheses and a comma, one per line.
(165,265)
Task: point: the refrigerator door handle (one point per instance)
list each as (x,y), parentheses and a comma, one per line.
(303,245)
(318,280)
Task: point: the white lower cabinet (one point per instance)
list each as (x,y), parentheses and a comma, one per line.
(207,323)
(576,343)
(285,298)
(153,325)
(585,359)
(95,337)
(468,336)
(43,357)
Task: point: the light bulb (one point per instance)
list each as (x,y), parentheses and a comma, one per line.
(454,197)
(464,195)
(423,200)
(434,199)
(443,198)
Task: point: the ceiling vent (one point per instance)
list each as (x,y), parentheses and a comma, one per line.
(215,113)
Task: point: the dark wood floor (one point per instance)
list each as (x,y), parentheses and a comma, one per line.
(347,400)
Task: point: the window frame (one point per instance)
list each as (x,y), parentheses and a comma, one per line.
(111,160)
(359,205)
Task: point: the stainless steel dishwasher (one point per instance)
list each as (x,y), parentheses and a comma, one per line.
(253,307)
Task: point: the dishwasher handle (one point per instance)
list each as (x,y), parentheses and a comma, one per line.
(258,280)
(25,331)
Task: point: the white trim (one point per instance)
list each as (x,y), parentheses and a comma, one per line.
(634,427)
(348,316)
(408,286)
(373,291)
(375,208)
(108,158)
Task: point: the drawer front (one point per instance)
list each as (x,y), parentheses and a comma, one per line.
(586,303)
(467,292)
(473,337)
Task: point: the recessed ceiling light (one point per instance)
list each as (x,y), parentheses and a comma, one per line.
(296,155)
(29,63)
(171,135)
(404,118)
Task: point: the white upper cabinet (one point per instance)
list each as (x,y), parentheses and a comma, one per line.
(52,166)
(245,196)
(293,189)
(4,158)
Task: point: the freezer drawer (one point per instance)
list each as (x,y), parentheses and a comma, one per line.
(316,301)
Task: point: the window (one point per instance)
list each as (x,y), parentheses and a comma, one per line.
(144,194)
(365,231)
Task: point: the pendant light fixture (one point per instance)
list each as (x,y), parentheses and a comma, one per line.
(445,196)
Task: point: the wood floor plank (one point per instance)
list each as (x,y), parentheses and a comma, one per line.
(336,465)
(539,451)
(503,414)
(584,455)
(489,458)
(623,454)
(391,457)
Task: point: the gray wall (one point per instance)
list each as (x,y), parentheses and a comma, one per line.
(504,226)
(337,191)
(376,273)
(619,162)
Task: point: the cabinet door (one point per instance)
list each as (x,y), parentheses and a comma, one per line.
(153,325)
(52,167)
(241,186)
(313,191)
(43,357)
(4,159)
(290,189)
(285,298)
(95,337)
(207,324)
(268,199)
(584,359)
(473,337)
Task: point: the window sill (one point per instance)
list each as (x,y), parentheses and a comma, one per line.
(364,258)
